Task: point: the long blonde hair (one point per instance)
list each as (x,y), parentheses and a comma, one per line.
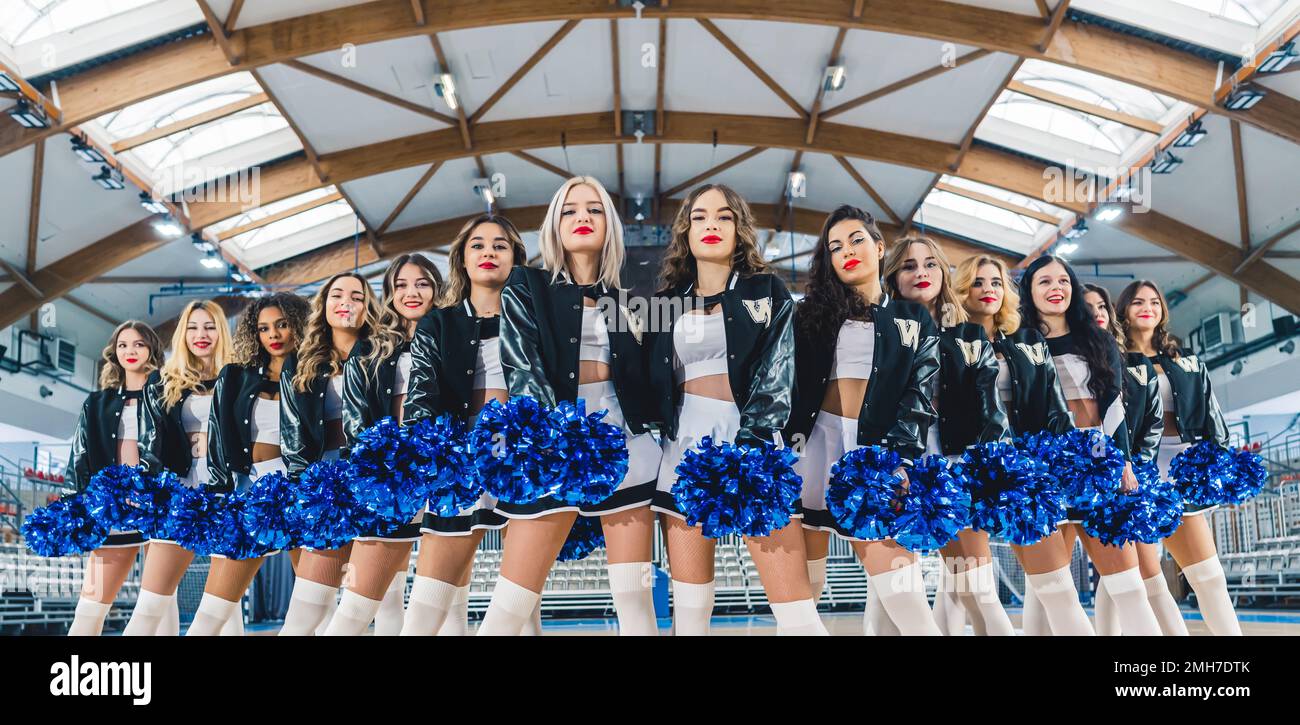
(111,373)
(390,331)
(947,301)
(678,266)
(552,249)
(183,372)
(316,353)
(1007,319)
(458,284)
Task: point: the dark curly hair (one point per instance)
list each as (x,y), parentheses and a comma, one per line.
(248,351)
(827,301)
(678,267)
(1094,343)
(1162,339)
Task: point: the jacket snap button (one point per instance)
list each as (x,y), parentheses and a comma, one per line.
(729,319)
(577,307)
(573,339)
(245,421)
(246,450)
(732,356)
(389,391)
(570,376)
(469,372)
(473,342)
(665,360)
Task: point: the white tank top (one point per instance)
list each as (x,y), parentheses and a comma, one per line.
(595,336)
(334,398)
(266,421)
(699,346)
(487,366)
(128,425)
(854,349)
(1004,381)
(403,375)
(194,413)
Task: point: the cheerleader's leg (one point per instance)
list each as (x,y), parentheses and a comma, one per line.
(372,580)
(106,572)
(1047,574)
(442,576)
(629,537)
(817,546)
(690,562)
(949,614)
(529,553)
(228,580)
(782,563)
(1162,602)
(164,567)
(320,574)
(896,575)
(1192,546)
(1122,580)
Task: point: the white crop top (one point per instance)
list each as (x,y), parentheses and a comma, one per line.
(1004,381)
(699,346)
(128,426)
(334,398)
(487,366)
(403,375)
(266,421)
(194,413)
(595,336)
(1166,393)
(854,349)
(1072,371)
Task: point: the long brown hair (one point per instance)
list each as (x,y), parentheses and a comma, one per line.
(458,285)
(679,264)
(182,371)
(1161,338)
(946,308)
(111,374)
(316,353)
(248,349)
(1007,319)
(390,333)
(1113,328)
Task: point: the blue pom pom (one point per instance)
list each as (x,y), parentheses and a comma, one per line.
(267,512)
(383,473)
(591,456)
(511,444)
(1013,497)
(863,492)
(935,506)
(126,498)
(1204,473)
(1087,464)
(325,516)
(445,463)
(1249,476)
(1147,515)
(63,528)
(193,521)
(585,537)
(729,489)
(230,538)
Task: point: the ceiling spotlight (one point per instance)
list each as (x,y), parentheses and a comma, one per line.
(152,205)
(796,185)
(1288,347)
(445,86)
(201,244)
(1109,214)
(1244,98)
(86,152)
(28,116)
(1165,163)
(1279,59)
(212,261)
(1076,231)
(1065,248)
(45,392)
(834,78)
(484,192)
(1191,136)
(168,227)
(109,178)
(7,84)
(1237,367)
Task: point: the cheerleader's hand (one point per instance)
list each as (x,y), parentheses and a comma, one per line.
(1128,482)
(902,473)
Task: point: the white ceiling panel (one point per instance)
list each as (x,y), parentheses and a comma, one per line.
(482,59)
(794,55)
(829,185)
(1272,179)
(75,211)
(1202,192)
(704,77)
(449,194)
(900,186)
(16,199)
(574,77)
(638,76)
(377,196)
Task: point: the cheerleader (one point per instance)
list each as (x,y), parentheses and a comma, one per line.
(174,437)
(456,370)
(970,412)
(374,387)
(106,434)
(723,366)
(244,438)
(1191,414)
(565,334)
(864,363)
(1097,299)
(343,312)
(1090,370)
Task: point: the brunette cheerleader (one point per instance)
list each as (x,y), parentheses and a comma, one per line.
(174,436)
(456,370)
(244,438)
(722,365)
(1191,414)
(864,363)
(565,335)
(970,412)
(107,434)
(343,312)
(374,386)
(1090,369)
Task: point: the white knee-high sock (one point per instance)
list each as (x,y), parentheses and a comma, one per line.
(388,620)
(431,603)
(331,606)
(354,615)
(692,608)
(979,589)
(510,608)
(1131,607)
(1211,586)
(902,594)
(1105,616)
(632,586)
(308,606)
(88,620)
(1060,600)
(234,627)
(456,623)
(170,624)
(1163,604)
(817,577)
(150,608)
(533,625)
(949,614)
(875,620)
(1034,619)
(798,619)
(211,616)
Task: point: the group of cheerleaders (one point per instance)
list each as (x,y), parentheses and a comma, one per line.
(889,346)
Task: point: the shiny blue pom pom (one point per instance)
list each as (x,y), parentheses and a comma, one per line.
(267,511)
(384,473)
(117,496)
(1087,464)
(325,516)
(585,537)
(445,463)
(1013,496)
(935,506)
(1249,476)
(729,489)
(230,537)
(193,520)
(1204,473)
(591,456)
(1148,514)
(511,444)
(863,493)
(63,528)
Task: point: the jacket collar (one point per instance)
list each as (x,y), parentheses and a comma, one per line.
(731,283)
(564,276)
